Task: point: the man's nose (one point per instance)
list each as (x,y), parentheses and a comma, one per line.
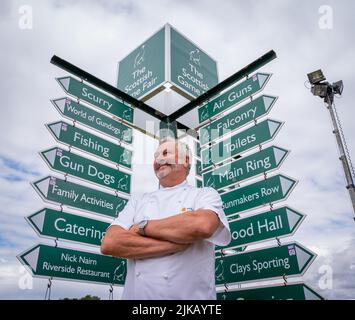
(160,159)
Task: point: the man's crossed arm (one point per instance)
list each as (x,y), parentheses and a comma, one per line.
(163,236)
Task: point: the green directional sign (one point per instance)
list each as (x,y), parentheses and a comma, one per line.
(58,191)
(50,223)
(233,96)
(237,119)
(92,119)
(142,72)
(297,291)
(257,194)
(96,98)
(274,262)
(245,168)
(232,146)
(192,70)
(80,167)
(88,142)
(67,264)
(278,223)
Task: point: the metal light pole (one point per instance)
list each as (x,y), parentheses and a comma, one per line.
(343,158)
(327,91)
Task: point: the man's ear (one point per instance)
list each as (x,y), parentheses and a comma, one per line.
(187,164)
(187,161)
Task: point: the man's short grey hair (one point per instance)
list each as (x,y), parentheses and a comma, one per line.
(183,151)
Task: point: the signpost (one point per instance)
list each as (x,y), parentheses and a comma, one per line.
(75,137)
(58,191)
(193,72)
(167,57)
(92,119)
(142,73)
(257,194)
(251,166)
(82,168)
(237,118)
(60,225)
(68,264)
(96,98)
(232,146)
(233,96)
(166,60)
(298,291)
(169,60)
(268,263)
(264,226)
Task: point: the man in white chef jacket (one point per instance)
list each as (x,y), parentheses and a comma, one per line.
(169,235)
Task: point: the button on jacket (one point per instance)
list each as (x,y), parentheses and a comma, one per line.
(189,274)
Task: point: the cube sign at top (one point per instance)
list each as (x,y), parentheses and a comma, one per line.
(167,59)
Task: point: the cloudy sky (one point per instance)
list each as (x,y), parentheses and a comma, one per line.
(95,35)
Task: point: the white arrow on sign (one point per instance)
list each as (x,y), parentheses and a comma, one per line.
(293,218)
(273,127)
(31,258)
(303,257)
(286,184)
(42,187)
(38,219)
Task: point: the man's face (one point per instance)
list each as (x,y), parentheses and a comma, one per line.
(167,163)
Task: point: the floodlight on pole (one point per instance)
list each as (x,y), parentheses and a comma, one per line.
(326,91)
(320,90)
(316,77)
(338,87)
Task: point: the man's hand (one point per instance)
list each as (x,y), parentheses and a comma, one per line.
(184,228)
(134,229)
(129,244)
